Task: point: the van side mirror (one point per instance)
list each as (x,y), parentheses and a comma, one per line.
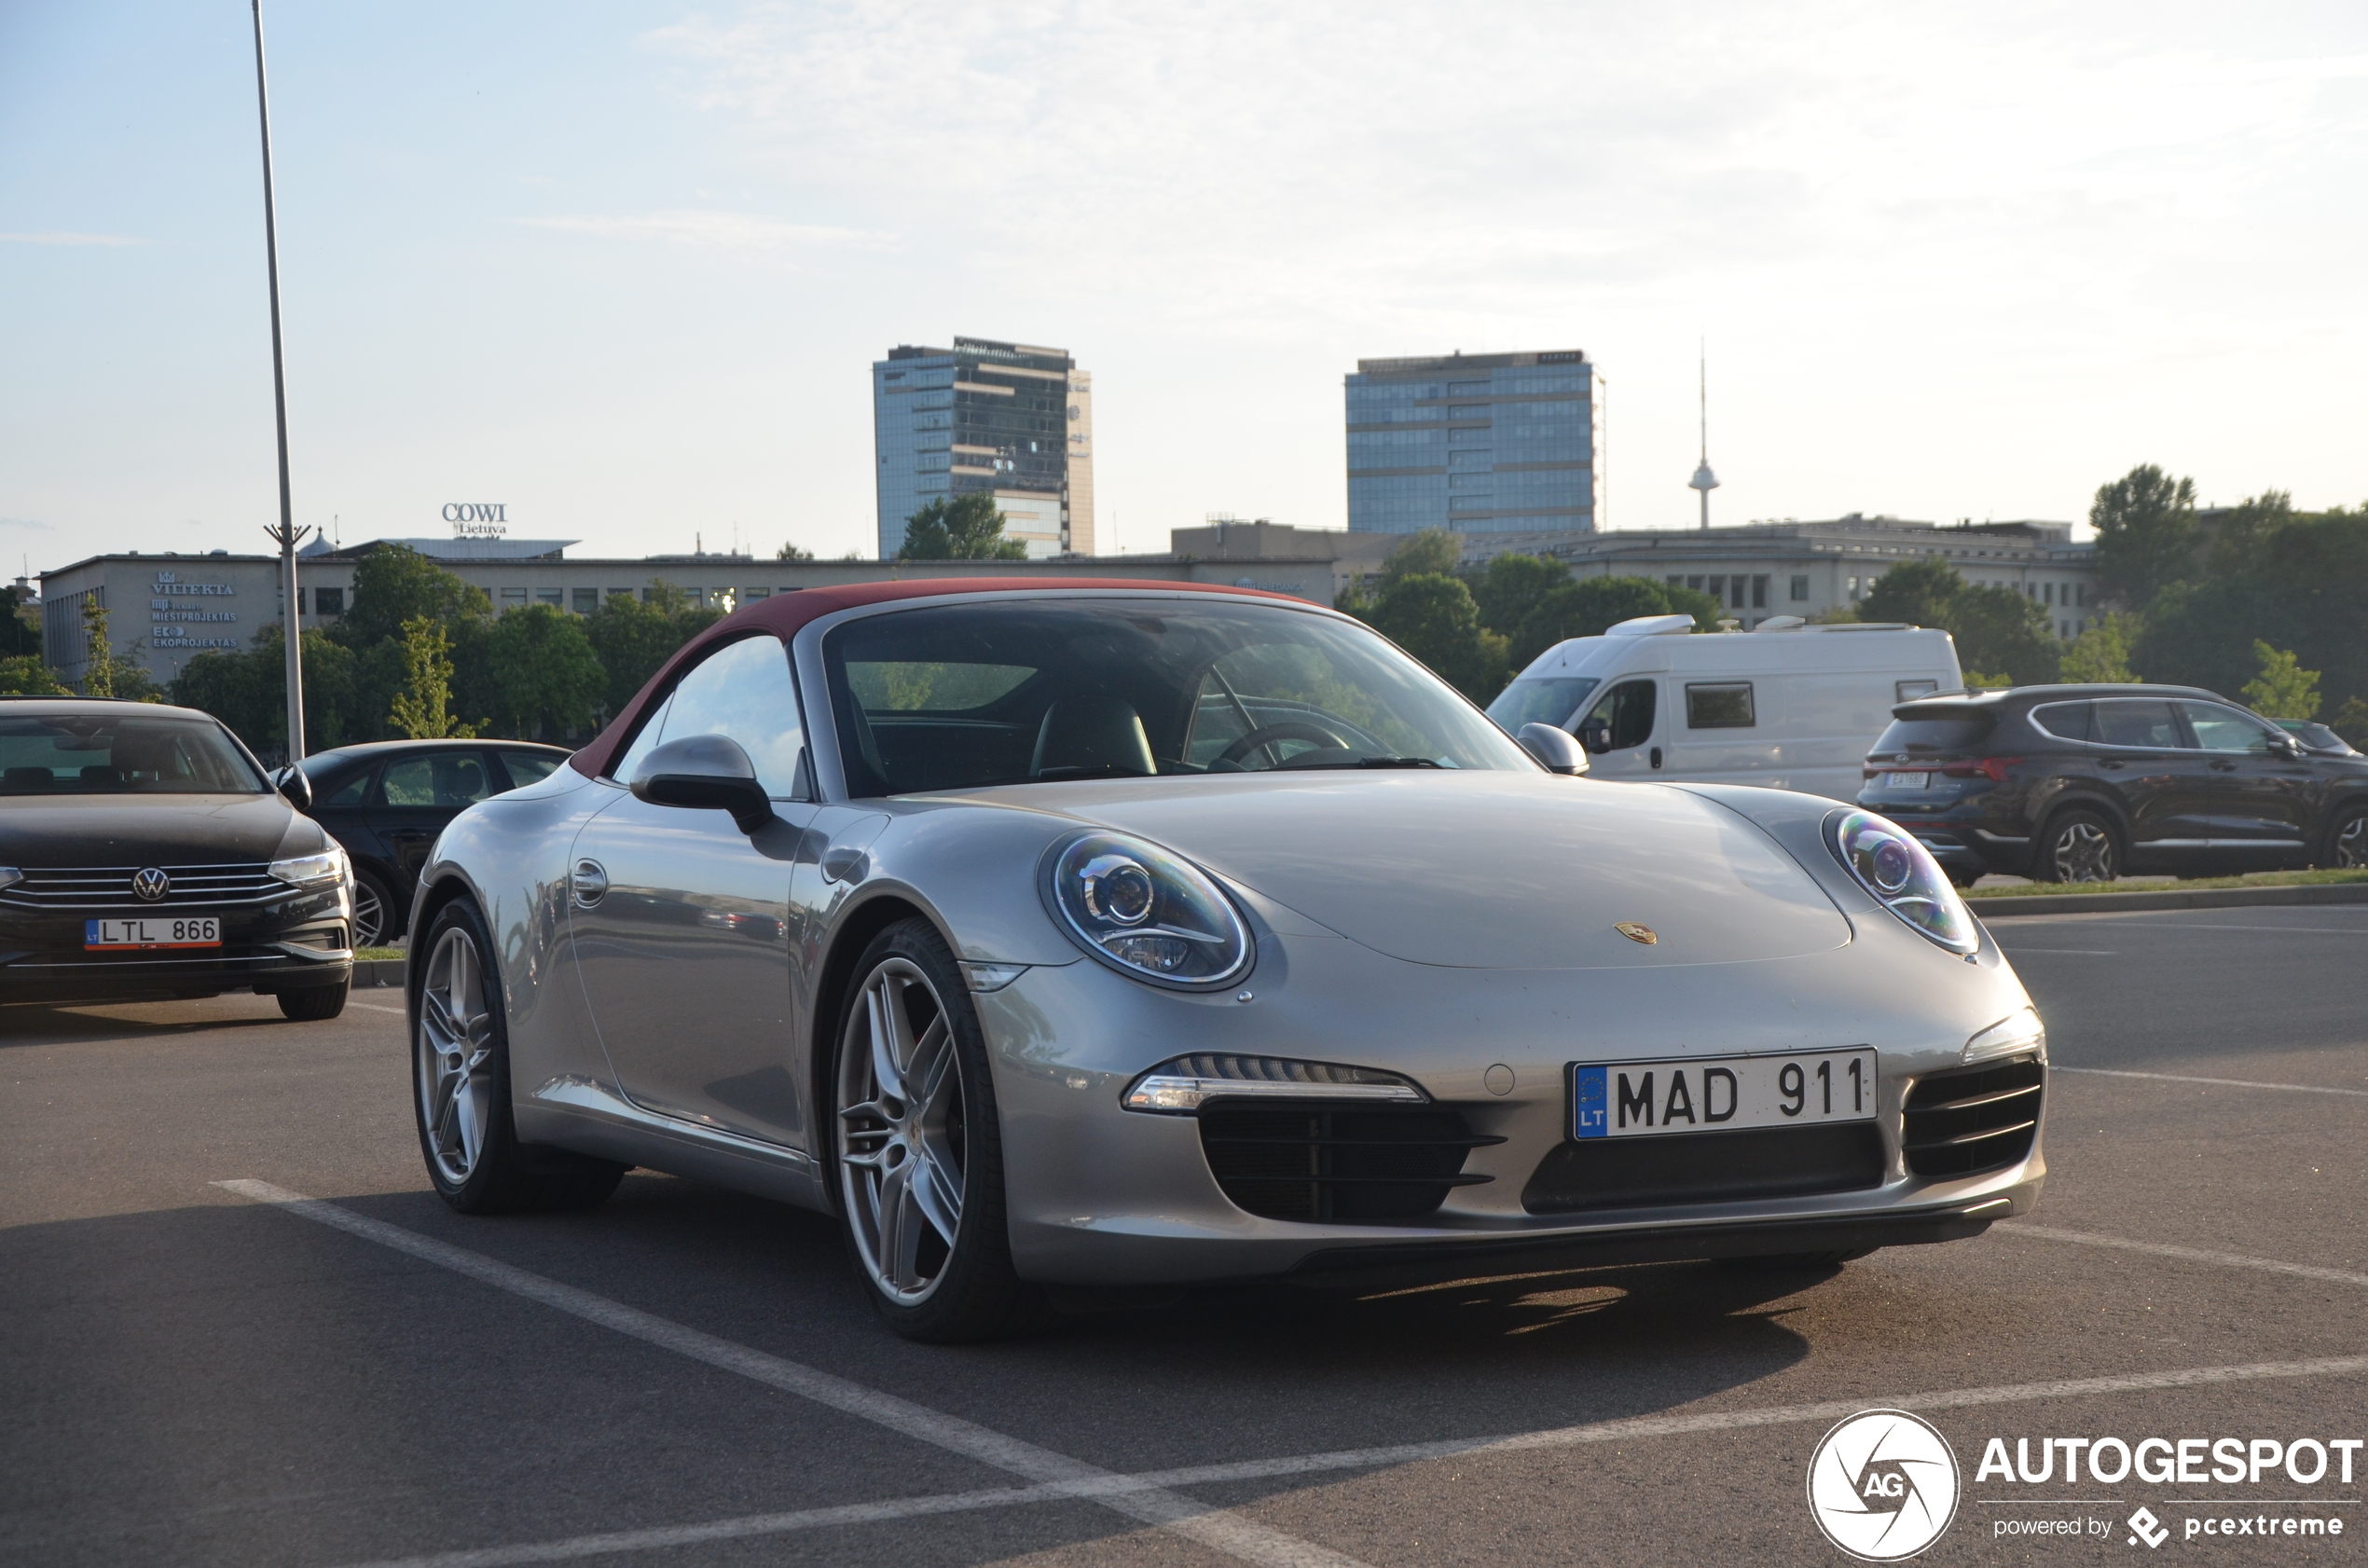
(705,772)
(1596,735)
(1553,749)
(294,786)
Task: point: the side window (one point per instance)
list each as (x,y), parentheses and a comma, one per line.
(530,767)
(1628,709)
(1909,691)
(743,691)
(351,792)
(1725,704)
(2225,729)
(652,733)
(446,780)
(2138,722)
(2065,720)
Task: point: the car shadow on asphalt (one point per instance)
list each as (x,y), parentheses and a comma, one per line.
(105,1023)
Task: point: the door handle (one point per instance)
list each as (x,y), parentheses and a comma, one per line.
(1654,757)
(589,883)
(2112,766)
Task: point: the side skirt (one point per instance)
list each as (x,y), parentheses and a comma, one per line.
(590,1117)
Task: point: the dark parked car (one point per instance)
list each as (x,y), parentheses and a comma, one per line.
(387,800)
(144,855)
(2316,738)
(2089,783)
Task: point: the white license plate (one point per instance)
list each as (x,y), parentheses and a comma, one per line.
(1635,1099)
(1907,781)
(155,931)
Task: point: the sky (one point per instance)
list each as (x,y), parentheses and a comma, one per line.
(623,268)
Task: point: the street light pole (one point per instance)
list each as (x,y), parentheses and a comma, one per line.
(287,535)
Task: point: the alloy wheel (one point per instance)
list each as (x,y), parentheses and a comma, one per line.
(455,1057)
(369,914)
(901,1131)
(2351,845)
(2085,853)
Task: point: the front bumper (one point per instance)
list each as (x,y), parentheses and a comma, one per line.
(288,943)
(1100,1196)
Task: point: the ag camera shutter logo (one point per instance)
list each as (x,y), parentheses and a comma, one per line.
(1883,1485)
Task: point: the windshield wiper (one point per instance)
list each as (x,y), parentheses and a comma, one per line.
(1360,762)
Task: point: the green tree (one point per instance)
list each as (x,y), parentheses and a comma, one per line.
(965,529)
(1432,552)
(1433,617)
(2005,631)
(25,675)
(2284,689)
(2145,523)
(790,552)
(546,679)
(20,623)
(1511,588)
(634,636)
(394,584)
(2238,542)
(2306,589)
(1586,607)
(1917,592)
(2352,723)
(107,673)
(422,709)
(2101,655)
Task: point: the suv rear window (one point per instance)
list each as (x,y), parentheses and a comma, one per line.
(1936,735)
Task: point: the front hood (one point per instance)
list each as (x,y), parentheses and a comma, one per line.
(150,829)
(1484,870)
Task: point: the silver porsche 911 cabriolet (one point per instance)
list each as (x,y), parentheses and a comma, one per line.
(1117,934)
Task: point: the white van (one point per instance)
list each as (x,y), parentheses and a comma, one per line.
(1787,705)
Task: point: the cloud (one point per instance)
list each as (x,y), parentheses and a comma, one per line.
(714,230)
(23,523)
(58,238)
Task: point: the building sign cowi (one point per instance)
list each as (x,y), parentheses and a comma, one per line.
(180,614)
(478,519)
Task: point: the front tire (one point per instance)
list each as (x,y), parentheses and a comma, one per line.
(314,1004)
(2079,846)
(460,1083)
(2347,839)
(919,1148)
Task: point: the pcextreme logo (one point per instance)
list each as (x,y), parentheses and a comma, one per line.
(1883,1485)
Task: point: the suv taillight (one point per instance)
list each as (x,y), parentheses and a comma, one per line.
(1993,768)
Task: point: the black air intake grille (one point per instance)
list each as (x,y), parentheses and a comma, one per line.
(1979,1118)
(1756,1163)
(1316,1163)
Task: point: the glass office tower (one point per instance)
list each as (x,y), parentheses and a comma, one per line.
(986,415)
(1480,443)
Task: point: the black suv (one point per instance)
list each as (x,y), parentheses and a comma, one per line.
(2089,783)
(387,800)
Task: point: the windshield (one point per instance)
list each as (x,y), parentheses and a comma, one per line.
(1541,700)
(1008,693)
(118,753)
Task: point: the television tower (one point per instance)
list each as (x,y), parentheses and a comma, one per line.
(1703,480)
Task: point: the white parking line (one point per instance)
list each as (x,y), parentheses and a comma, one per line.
(2184,1253)
(2223,1082)
(1211,1527)
(1105,1488)
(375,1007)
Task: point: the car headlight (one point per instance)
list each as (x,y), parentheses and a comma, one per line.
(307,870)
(1904,879)
(2011,1035)
(1146,913)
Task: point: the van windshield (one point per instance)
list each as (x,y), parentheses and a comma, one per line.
(1541,700)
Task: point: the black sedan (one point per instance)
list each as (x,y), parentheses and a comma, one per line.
(144,855)
(386,800)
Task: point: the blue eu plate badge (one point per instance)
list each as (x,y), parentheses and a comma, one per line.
(1586,1102)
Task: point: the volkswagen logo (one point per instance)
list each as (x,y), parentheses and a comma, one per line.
(150,882)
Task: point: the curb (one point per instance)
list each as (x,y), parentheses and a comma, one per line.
(369,973)
(2198,897)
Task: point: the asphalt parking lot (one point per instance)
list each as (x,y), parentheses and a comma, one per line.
(325,1365)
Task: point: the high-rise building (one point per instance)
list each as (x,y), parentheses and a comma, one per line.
(1478,443)
(1004,417)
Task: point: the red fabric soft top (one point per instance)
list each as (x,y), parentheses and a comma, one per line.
(784,613)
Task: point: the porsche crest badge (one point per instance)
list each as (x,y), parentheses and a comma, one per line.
(1635,932)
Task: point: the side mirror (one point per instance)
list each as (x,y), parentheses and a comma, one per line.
(704,773)
(1555,750)
(2286,746)
(292,783)
(1596,736)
